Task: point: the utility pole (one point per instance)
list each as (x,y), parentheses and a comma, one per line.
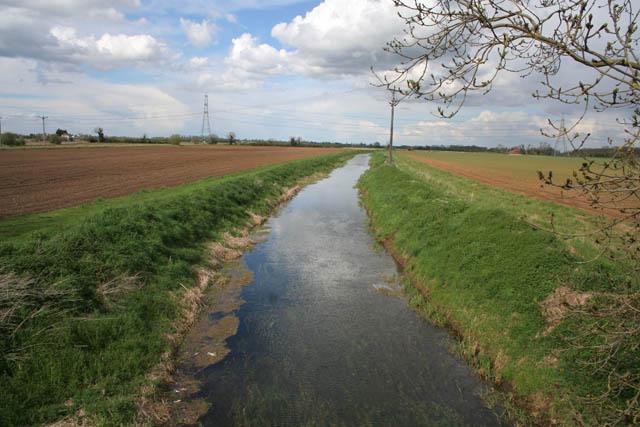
(0,130)
(44,133)
(393,107)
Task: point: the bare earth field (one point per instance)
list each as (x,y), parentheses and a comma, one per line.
(34,181)
(517,174)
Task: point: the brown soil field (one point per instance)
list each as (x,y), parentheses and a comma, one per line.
(34,181)
(506,181)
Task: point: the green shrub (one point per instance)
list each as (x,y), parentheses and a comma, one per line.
(54,139)
(175,139)
(11,139)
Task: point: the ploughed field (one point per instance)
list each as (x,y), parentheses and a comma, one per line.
(34,181)
(515,173)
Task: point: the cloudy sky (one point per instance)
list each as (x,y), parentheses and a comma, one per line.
(271,69)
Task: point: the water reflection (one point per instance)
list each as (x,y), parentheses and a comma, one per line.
(318,344)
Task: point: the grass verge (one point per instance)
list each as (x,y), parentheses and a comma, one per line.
(473,265)
(86,302)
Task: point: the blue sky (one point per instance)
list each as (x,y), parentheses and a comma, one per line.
(272,69)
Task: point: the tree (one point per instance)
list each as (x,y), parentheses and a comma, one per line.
(232,138)
(100,133)
(454,48)
(175,139)
(295,141)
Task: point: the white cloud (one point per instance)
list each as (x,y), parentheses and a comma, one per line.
(198,62)
(199,35)
(85,103)
(69,8)
(356,26)
(52,33)
(110,51)
(327,50)
(109,14)
(121,46)
(335,39)
(491,128)
(250,56)
(229,80)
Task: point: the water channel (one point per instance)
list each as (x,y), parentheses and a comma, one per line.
(318,343)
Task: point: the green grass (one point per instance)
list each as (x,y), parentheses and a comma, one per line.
(536,211)
(95,306)
(484,271)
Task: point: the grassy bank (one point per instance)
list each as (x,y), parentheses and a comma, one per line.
(88,295)
(476,267)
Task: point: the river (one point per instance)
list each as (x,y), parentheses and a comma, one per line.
(320,340)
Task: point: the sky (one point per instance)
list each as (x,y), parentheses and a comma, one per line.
(272,69)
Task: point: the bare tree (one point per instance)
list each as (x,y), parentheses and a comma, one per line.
(454,48)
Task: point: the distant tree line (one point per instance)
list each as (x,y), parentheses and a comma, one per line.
(542,149)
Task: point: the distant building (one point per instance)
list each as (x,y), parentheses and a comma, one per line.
(515,152)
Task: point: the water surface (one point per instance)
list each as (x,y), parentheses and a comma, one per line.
(319,344)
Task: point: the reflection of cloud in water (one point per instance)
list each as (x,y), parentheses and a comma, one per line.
(318,236)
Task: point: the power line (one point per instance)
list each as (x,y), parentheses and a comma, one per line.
(450,133)
(307,124)
(321,124)
(246,108)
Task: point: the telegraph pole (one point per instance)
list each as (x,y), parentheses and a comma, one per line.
(0,130)
(393,107)
(44,134)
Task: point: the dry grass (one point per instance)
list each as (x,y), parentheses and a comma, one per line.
(256,219)
(111,291)
(239,242)
(558,305)
(289,193)
(222,254)
(24,302)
